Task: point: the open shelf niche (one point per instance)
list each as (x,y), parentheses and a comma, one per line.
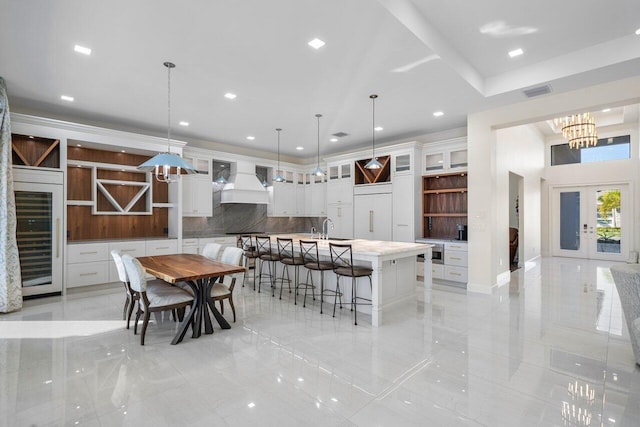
(444,205)
(372,176)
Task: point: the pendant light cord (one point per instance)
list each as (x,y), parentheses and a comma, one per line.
(373,127)
(169,66)
(318,117)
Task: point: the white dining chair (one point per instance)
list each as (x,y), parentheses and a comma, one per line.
(152,299)
(224,290)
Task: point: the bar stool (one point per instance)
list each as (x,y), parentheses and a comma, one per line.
(342,258)
(249,253)
(309,252)
(265,254)
(287,258)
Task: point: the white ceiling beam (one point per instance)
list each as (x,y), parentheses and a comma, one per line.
(411,17)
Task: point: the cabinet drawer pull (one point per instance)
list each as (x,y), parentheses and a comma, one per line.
(454,274)
(402,225)
(87,253)
(455,258)
(370,221)
(89,274)
(162,247)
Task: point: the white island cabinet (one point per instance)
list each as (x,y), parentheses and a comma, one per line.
(394,272)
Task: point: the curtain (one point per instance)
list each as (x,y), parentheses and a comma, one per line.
(10,278)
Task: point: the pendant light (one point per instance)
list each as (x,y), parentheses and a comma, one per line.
(373,163)
(318,171)
(162,163)
(278,177)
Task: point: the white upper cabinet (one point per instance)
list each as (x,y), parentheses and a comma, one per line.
(197,190)
(444,156)
(402,164)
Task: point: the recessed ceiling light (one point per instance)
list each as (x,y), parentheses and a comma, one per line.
(251,138)
(230,95)
(81,49)
(67,98)
(122,151)
(378,128)
(638,32)
(438,114)
(516,52)
(334,140)
(316,43)
(606,110)
(184,123)
(299,148)
(78,145)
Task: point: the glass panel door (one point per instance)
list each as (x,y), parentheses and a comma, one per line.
(591,222)
(38,232)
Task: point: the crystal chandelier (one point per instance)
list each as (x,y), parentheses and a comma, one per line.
(579,129)
(163,163)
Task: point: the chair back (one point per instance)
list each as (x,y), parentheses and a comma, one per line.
(246,242)
(309,252)
(341,255)
(211,250)
(231,256)
(122,272)
(263,245)
(137,279)
(285,248)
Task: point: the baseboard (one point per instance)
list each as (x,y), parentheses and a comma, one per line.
(480,289)
(503,278)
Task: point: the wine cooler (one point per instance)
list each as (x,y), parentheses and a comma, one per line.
(39,213)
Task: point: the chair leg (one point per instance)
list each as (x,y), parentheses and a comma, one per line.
(138,313)
(254,273)
(354,286)
(221,306)
(321,289)
(233,308)
(335,296)
(126,307)
(259,275)
(284,268)
(145,322)
(130,311)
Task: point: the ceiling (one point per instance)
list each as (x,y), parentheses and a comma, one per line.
(419,56)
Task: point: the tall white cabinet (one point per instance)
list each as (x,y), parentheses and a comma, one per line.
(340,199)
(372,212)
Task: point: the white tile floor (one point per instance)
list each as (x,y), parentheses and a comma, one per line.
(504,360)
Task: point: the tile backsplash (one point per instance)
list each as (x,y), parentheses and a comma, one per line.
(242,218)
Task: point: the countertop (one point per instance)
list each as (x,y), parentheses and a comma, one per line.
(375,248)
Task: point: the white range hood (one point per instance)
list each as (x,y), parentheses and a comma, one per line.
(243,186)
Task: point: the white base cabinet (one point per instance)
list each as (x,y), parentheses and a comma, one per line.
(91,263)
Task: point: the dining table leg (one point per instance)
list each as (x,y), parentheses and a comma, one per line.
(206,292)
(219,317)
(189,317)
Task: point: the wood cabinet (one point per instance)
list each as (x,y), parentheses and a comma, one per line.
(444,205)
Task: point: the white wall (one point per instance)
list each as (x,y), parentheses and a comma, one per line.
(520,150)
(485,189)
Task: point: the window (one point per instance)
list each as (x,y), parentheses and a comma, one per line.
(615,148)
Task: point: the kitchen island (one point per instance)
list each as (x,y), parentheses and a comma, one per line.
(394,271)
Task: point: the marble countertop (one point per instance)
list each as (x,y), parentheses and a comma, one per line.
(375,248)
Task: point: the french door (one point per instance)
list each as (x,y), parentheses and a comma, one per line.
(591,222)
(39,209)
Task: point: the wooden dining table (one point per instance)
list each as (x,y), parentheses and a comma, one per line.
(199,273)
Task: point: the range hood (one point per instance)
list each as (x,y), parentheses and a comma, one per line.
(243,186)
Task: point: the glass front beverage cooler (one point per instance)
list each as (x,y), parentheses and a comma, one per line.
(39,226)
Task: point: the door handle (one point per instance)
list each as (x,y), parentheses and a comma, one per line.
(370,221)
(57,237)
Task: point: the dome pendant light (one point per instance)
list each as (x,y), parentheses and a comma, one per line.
(278,177)
(373,163)
(162,163)
(318,171)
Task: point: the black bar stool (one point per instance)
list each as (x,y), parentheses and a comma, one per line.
(250,253)
(309,252)
(287,258)
(265,254)
(342,258)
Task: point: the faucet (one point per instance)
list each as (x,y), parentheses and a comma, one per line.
(313,231)
(325,228)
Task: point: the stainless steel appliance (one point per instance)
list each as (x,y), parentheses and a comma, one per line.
(462,232)
(437,252)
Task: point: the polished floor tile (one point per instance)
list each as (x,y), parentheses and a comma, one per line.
(550,348)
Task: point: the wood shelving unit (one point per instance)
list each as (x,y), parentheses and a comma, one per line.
(35,151)
(444,205)
(372,176)
(109,198)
